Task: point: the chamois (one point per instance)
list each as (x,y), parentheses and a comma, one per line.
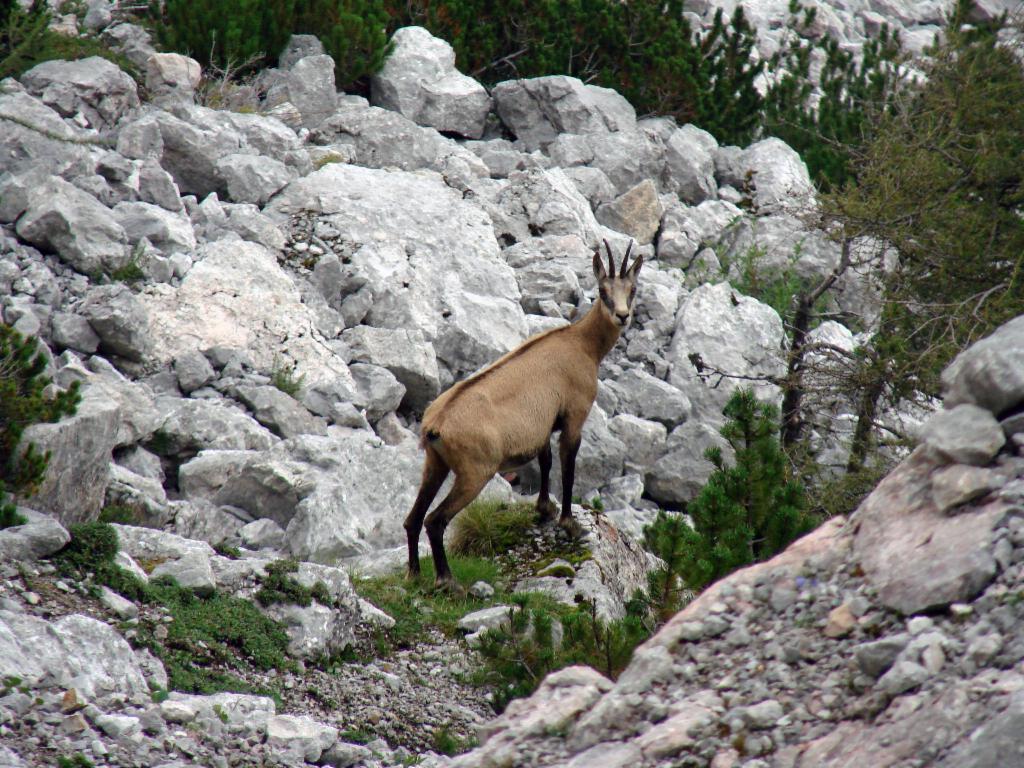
(504,415)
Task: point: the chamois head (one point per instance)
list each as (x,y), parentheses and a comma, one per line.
(617,291)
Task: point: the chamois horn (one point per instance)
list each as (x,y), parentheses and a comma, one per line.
(625,259)
(611,259)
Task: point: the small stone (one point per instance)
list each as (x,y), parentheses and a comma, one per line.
(919,625)
(956,485)
(903,676)
(481,590)
(840,621)
(31,598)
(125,609)
(876,657)
(72,701)
(763,715)
(983,648)
(75,723)
(965,434)
(177,711)
(691,631)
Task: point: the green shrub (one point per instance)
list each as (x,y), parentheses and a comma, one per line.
(488,528)
(119,513)
(282,376)
(211,639)
(23,401)
(278,587)
(223,33)
(417,607)
(541,637)
(27,40)
(354,33)
(747,512)
(231,34)
(854,92)
(10,517)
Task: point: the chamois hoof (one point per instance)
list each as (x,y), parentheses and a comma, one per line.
(412,574)
(450,586)
(572,528)
(546,511)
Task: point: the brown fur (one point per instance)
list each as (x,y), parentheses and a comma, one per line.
(505,415)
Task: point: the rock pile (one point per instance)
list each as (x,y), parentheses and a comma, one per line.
(891,638)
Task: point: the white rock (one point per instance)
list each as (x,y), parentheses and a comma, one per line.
(538,109)
(299,737)
(92,86)
(420,81)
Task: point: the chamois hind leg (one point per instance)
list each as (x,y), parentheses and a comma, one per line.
(568,447)
(434,473)
(545,507)
(467,487)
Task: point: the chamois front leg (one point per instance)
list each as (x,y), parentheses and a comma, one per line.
(434,473)
(545,507)
(569,446)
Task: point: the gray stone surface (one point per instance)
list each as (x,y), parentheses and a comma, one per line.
(74,650)
(63,219)
(990,373)
(405,353)
(119,319)
(538,109)
(690,164)
(917,557)
(636,212)
(168,231)
(24,147)
(92,86)
(253,178)
(280,412)
(80,449)
(966,434)
(39,536)
(419,80)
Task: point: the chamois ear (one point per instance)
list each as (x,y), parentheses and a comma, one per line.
(599,270)
(635,269)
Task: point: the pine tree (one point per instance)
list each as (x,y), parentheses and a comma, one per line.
(23,402)
(747,512)
(354,33)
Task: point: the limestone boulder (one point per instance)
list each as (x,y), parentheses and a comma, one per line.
(39,536)
(93,87)
(80,448)
(990,373)
(120,320)
(427,257)
(637,212)
(916,556)
(263,307)
(538,109)
(719,333)
(419,80)
(36,137)
(168,231)
(73,651)
(690,164)
(62,219)
(380,138)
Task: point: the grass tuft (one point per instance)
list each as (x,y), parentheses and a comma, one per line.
(488,528)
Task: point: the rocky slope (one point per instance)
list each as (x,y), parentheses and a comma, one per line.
(893,638)
(190,266)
